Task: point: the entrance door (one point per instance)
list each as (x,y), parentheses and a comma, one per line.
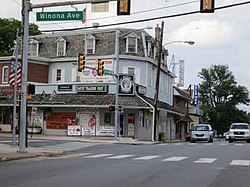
(121,125)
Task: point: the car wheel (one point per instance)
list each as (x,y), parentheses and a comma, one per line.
(192,141)
(248,141)
(230,141)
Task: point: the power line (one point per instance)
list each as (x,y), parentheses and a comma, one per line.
(139,12)
(151,19)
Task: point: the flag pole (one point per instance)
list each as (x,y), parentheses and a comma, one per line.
(14,121)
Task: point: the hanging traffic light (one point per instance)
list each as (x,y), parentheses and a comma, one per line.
(111,108)
(207,6)
(81,62)
(123,7)
(100,67)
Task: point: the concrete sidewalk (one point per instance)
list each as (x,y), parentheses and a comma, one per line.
(8,152)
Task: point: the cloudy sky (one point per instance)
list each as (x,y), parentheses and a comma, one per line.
(222,37)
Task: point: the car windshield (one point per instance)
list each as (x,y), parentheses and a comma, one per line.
(200,128)
(240,126)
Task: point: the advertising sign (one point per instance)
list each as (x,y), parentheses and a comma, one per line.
(74,130)
(195,95)
(105,130)
(88,131)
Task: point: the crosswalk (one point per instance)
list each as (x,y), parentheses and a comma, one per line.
(133,157)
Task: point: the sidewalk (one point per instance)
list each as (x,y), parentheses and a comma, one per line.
(8,152)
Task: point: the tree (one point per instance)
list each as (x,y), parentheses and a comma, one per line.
(220,95)
(8,28)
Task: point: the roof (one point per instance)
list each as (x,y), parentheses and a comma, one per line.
(182,93)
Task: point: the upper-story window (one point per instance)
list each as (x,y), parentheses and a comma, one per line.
(61,46)
(90,44)
(33,47)
(131,43)
(150,49)
(58,75)
(150,81)
(100,7)
(5,74)
(131,70)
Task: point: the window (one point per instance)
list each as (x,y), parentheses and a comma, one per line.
(107,118)
(150,77)
(33,47)
(90,45)
(61,47)
(131,45)
(5,75)
(58,75)
(161,83)
(5,115)
(100,7)
(131,71)
(150,52)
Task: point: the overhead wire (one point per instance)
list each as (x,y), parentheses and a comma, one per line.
(150,19)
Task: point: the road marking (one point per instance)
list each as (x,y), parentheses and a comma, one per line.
(240,144)
(192,143)
(175,159)
(146,157)
(177,143)
(119,156)
(98,156)
(207,144)
(205,160)
(240,163)
(223,144)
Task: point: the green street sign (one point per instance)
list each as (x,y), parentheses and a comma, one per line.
(59,16)
(108,72)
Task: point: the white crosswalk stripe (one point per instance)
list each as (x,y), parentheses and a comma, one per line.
(98,156)
(146,157)
(119,156)
(205,160)
(240,163)
(175,159)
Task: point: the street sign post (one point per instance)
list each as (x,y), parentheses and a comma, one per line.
(108,72)
(59,16)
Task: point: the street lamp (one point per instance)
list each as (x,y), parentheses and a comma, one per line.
(117,45)
(188,42)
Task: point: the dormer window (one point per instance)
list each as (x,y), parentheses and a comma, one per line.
(61,46)
(131,43)
(33,47)
(90,45)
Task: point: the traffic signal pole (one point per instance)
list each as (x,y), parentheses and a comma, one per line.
(26,8)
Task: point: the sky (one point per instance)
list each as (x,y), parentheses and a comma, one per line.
(221,38)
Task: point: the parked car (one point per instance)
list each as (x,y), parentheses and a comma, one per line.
(202,132)
(239,131)
(226,136)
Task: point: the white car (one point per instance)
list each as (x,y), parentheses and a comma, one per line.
(202,132)
(239,131)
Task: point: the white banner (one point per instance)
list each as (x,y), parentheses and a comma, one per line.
(74,130)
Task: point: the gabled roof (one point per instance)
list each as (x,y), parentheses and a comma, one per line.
(181,93)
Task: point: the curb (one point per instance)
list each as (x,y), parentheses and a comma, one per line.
(31,155)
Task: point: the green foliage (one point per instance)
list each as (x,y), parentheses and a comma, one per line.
(8,29)
(219,95)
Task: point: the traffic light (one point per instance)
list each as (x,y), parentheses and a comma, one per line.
(81,62)
(207,6)
(100,67)
(31,89)
(123,7)
(111,108)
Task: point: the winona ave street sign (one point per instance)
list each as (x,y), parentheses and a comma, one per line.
(59,16)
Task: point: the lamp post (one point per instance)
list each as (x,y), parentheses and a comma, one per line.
(117,51)
(159,41)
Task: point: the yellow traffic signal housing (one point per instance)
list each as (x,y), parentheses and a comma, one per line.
(28,96)
(207,6)
(100,67)
(123,7)
(81,62)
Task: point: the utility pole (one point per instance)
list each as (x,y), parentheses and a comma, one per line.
(159,38)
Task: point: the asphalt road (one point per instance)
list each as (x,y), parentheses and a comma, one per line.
(163,165)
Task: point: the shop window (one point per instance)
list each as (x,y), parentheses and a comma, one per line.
(5,117)
(107,118)
(131,118)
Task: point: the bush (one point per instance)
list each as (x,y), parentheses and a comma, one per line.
(162,136)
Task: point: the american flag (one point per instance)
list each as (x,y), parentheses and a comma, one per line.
(84,16)
(12,72)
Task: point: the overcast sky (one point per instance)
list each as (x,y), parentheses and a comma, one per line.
(222,37)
